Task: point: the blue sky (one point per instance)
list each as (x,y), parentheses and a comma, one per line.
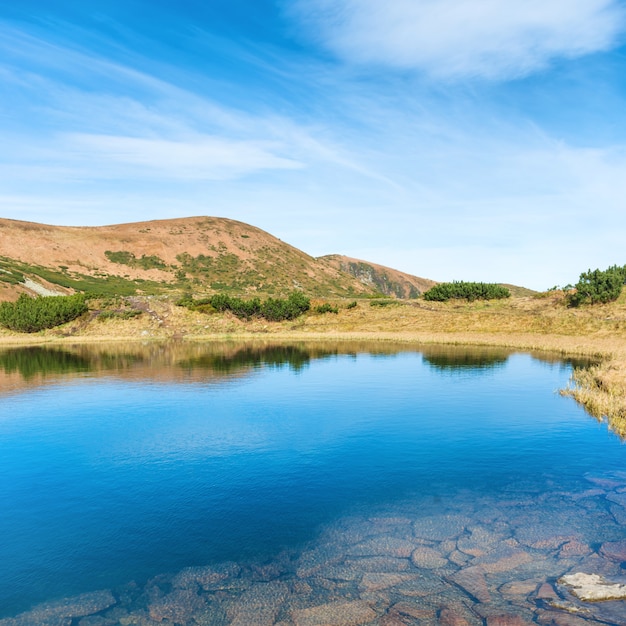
(453,139)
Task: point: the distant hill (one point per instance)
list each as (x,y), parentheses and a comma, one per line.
(380,278)
(205,254)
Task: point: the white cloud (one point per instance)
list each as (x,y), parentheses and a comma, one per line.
(458,38)
(204,158)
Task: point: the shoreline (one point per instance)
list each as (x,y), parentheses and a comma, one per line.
(529,325)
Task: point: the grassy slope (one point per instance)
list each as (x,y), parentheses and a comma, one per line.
(201,253)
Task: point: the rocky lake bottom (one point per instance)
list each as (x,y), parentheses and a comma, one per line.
(462,559)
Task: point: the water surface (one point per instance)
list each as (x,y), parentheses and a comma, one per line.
(314,472)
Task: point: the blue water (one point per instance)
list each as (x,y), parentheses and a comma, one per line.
(111,473)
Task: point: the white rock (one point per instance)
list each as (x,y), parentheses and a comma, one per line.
(593,587)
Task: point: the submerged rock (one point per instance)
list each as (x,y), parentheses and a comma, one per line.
(427,558)
(518,588)
(440,527)
(614,550)
(507,620)
(258,605)
(472,580)
(451,617)
(383,546)
(377,581)
(593,588)
(209,577)
(335,613)
(177,606)
(503,559)
(63,611)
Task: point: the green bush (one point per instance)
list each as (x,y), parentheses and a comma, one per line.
(598,286)
(388,302)
(276,309)
(119,315)
(30,315)
(326,308)
(351,305)
(123,257)
(466,291)
(272,309)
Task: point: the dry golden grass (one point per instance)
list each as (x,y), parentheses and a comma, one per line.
(528,323)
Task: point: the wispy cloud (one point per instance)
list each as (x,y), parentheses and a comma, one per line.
(203,158)
(460,38)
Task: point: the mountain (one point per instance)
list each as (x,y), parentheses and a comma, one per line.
(202,254)
(380,278)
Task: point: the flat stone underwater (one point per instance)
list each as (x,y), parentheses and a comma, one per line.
(464,559)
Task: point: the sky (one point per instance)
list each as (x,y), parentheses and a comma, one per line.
(480,140)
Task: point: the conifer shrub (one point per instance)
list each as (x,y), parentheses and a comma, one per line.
(272,309)
(326,308)
(30,315)
(598,286)
(459,290)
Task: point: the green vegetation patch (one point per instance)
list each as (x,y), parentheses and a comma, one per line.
(326,308)
(119,315)
(145,262)
(92,285)
(271,309)
(466,291)
(386,302)
(9,274)
(598,286)
(30,315)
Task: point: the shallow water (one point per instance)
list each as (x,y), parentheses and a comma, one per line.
(300,485)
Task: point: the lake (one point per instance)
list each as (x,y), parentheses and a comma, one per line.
(301,484)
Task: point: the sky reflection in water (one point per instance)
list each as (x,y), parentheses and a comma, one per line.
(122,463)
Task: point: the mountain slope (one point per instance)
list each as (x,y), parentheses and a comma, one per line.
(380,278)
(199,253)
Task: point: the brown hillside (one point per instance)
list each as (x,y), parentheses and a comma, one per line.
(380,278)
(203,253)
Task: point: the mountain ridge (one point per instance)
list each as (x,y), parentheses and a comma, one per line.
(200,253)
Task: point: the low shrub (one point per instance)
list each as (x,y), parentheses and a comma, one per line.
(598,286)
(272,309)
(326,308)
(460,290)
(388,302)
(30,315)
(119,315)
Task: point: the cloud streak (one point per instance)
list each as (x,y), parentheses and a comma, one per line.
(452,39)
